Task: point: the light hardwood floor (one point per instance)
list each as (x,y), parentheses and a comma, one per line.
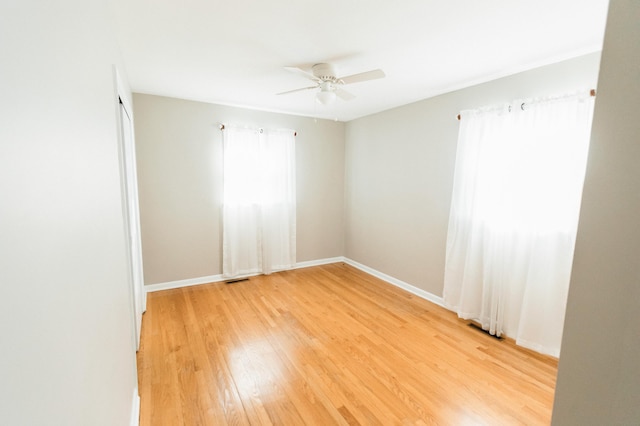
(328,345)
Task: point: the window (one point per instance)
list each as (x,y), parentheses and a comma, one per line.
(259,207)
(514,215)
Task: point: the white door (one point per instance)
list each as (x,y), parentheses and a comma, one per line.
(132,218)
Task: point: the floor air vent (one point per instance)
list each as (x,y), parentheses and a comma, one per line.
(236,281)
(479,328)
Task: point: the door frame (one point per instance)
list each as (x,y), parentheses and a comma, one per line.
(130,207)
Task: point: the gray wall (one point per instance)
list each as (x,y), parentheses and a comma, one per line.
(399,171)
(66,325)
(179,149)
(599,372)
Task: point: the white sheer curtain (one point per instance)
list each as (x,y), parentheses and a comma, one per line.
(259,207)
(516,199)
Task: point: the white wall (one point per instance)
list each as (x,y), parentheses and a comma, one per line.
(599,371)
(179,149)
(399,171)
(67,355)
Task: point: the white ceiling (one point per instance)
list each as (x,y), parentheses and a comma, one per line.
(232,52)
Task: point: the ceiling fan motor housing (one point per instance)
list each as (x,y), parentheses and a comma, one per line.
(324,72)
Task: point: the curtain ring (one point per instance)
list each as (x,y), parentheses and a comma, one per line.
(522,106)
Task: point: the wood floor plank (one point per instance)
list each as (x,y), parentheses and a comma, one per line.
(328,345)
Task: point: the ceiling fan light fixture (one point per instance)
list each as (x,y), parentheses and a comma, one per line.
(326,97)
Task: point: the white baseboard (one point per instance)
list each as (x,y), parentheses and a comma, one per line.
(398,283)
(183,283)
(217,278)
(319,262)
(391,280)
(135,409)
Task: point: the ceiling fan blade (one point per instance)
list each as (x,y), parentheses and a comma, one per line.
(363,76)
(344,95)
(297,90)
(302,73)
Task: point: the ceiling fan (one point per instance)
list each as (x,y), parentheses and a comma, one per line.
(324,76)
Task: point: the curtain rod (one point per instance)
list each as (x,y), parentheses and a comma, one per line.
(592,93)
(221,127)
